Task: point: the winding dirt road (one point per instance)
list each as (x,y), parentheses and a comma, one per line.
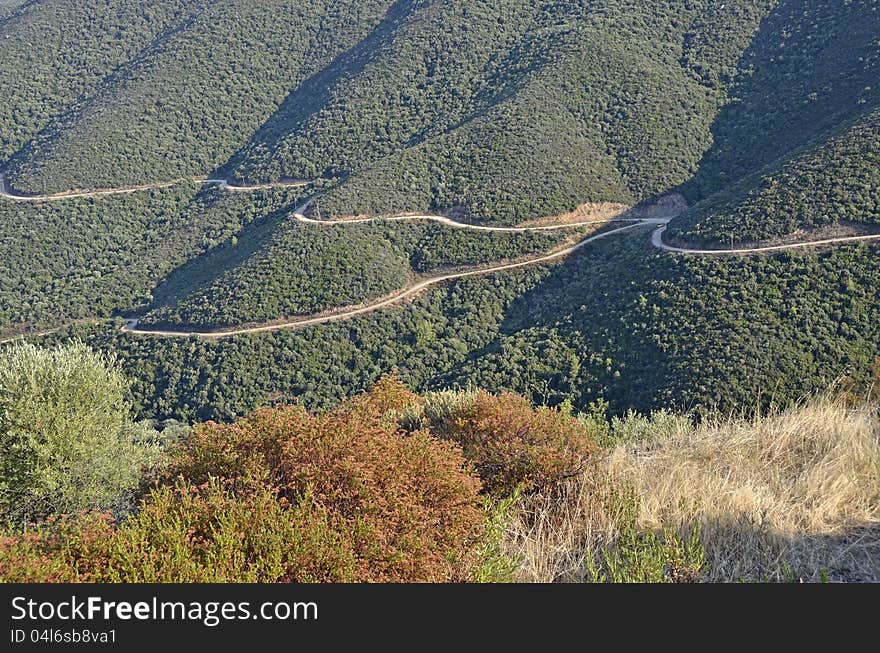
(353,311)
(224,184)
(345,313)
(657,241)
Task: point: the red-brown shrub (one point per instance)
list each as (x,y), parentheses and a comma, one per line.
(63,550)
(511,443)
(284,495)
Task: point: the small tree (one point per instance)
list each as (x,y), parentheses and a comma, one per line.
(67,442)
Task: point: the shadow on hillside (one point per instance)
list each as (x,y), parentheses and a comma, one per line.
(218,260)
(803,84)
(71,114)
(313,93)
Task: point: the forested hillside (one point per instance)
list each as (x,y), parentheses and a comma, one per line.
(836,180)
(56,56)
(505,111)
(796,147)
(764,114)
(185,100)
(812,65)
(512,110)
(617,322)
(302,269)
(92,257)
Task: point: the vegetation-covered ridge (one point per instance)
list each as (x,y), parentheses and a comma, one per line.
(508,111)
(305,269)
(502,111)
(536,111)
(146,93)
(96,257)
(811,67)
(587,330)
(831,182)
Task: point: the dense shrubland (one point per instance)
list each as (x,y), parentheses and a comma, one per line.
(795,145)
(181,105)
(811,66)
(304,269)
(93,257)
(55,56)
(210,259)
(8,6)
(537,107)
(511,122)
(508,110)
(86,257)
(504,110)
(686,332)
(501,112)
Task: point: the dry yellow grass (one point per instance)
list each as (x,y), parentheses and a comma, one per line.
(793,495)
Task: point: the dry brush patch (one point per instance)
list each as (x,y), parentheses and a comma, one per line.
(793,496)
(598,211)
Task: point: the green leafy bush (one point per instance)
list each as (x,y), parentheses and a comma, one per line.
(494,564)
(639,556)
(67,442)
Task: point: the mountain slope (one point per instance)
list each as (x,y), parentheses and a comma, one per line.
(506,110)
(616,322)
(293,269)
(812,65)
(94,257)
(192,97)
(57,55)
(835,180)
(513,111)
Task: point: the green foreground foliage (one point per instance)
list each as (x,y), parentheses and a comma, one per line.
(67,442)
